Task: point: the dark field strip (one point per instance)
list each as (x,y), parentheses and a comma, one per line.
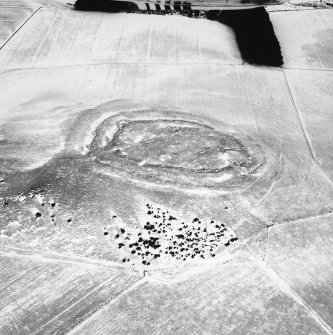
(253,29)
(254,35)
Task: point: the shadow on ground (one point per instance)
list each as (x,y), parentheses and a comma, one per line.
(253,29)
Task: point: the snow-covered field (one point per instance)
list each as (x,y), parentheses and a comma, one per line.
(99,222)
